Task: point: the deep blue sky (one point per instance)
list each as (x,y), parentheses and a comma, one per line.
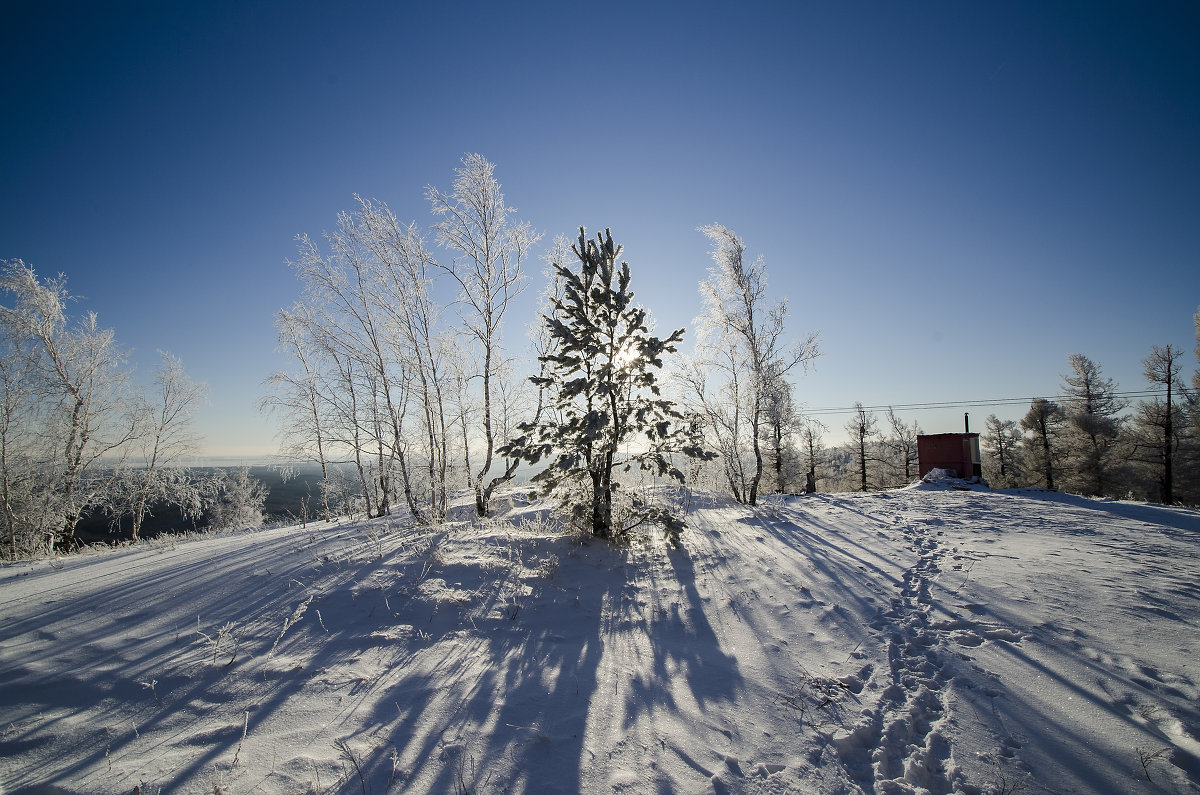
(957,195)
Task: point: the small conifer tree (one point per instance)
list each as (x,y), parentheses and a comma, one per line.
(606,410)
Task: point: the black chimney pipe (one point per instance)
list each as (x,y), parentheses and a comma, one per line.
(966,422)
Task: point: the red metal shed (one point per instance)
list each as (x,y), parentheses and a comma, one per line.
(955,452)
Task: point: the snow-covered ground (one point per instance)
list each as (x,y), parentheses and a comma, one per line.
(927,639)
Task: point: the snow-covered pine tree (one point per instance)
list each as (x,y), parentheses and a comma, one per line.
(861,428)
(1092,410)
(1002,447)
(1043,448)
(1160,426)
(607,412)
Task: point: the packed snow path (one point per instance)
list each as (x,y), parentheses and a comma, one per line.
(923,640)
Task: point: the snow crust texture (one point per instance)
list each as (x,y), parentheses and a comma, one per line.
(935,639)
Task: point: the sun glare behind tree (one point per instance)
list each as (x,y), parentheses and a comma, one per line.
(608,411)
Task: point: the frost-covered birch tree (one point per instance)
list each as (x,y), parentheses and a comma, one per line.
(901,443)
(348,423)
(414,320)
(164,437)
(81,385)
(349,290)
(488,249)
(743,360)
(297,395)
(544,342)
(24,523)
(716,390)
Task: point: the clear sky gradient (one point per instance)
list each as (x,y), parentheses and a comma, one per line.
(956,195)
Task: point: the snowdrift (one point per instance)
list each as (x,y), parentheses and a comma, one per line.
(923,640)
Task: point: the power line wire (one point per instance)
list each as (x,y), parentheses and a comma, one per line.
(951,404)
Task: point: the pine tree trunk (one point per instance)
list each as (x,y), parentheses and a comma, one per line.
(598,526)
(1049,464)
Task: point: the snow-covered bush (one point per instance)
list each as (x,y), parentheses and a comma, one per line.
(236,500)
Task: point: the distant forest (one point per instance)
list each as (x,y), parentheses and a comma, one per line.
(288,491)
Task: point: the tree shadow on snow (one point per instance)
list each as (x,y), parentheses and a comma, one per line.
(543,701)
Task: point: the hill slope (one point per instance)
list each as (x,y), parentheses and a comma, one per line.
(921,640)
